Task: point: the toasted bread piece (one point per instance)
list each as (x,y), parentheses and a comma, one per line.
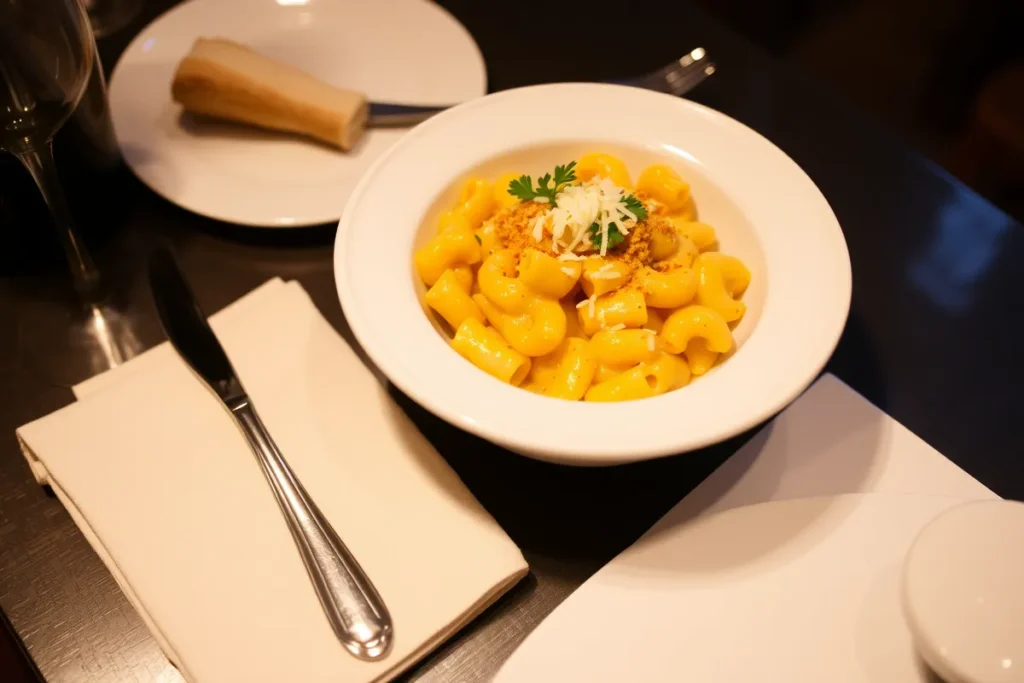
(228,80)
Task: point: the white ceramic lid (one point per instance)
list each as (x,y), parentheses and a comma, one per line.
(964,593)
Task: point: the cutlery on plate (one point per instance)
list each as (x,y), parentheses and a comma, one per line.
(353,607)
(675,78)
(226,79)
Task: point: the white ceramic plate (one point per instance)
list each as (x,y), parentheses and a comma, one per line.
(764,208)
(408,51)
(798,591)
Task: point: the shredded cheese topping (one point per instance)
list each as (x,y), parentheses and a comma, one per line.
(597,201)
(605,272)
(538,227)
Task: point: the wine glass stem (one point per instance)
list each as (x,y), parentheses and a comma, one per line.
(39,162)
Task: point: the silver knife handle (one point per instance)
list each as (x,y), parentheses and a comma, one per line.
(354,608)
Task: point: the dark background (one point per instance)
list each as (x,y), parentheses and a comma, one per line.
(923,68)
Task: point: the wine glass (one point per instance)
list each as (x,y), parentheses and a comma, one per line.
(47,53)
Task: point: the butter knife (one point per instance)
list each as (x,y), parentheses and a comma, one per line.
(355,610)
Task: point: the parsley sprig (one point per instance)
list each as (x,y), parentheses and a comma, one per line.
(635,206)
(523,187)
(615,237)
(549,186)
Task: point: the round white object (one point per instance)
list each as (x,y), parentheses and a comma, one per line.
(963,594)
(404,51)
(763,207)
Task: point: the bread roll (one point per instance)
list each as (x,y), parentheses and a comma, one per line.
(230,81)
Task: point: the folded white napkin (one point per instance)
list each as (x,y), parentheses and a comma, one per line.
(161,482)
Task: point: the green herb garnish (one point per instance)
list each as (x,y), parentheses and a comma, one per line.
(615,237)
(635,207)
(477,238)
(523,188)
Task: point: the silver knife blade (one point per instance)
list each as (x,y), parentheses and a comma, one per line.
(188,330)
(390,115)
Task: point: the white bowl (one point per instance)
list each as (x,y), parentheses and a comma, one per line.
(763,206)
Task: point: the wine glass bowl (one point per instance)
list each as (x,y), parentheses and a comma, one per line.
(46,56)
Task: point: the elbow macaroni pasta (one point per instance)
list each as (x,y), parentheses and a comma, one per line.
(537,331)
(624,307)
(701,235)
(547,275)
(450,298)
(535,310)
(670,289)
(566,372)
(721,279)
(664,185)
(484,348)
(699,357)
(456,246)
(604,165)
(601,276)
(624,347)
(695,322)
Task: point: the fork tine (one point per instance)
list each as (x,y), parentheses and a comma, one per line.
(680,82)
(689,70)
(681,75)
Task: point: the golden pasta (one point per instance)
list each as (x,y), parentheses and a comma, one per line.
(483,347)
(567,372)
(451,300)
(454,247)
(578,287)
(722,278)
(699,357)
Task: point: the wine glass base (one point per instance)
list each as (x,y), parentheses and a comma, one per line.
(64,343)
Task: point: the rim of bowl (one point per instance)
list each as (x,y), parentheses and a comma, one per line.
(808,298)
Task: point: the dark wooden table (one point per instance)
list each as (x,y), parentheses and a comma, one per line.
(932,335)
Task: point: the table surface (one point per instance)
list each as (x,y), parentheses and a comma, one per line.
(931,339)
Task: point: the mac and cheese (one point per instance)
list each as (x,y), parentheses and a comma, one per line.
(583,286)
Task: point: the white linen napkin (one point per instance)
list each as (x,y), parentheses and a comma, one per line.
(161,482)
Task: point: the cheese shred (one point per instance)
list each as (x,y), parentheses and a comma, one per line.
(585,214)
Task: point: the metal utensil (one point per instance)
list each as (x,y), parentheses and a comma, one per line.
(676,78)
(353,607)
